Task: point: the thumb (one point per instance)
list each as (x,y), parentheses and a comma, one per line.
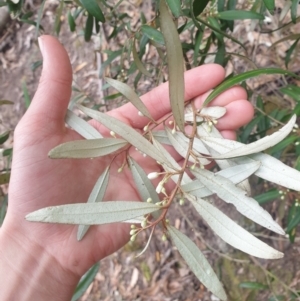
(51,99)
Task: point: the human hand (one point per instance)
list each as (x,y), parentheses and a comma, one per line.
(37,181)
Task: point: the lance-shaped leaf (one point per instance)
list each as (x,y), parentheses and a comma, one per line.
(175,166)
(143,184)
(127,132)
(232,233)
(130,95)
(138,62)
(262,143)
(181,144)
(161,137)
(197,262)
(212,131)
(242,77)
(82,127)
(231,194)
(92,213)
(239,173)
(87,148)
(175,64)
(209,112)
(96,195)
(235,174)
(271,169)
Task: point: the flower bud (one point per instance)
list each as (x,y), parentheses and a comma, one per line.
(159,187)
(153,175)
(133,237)
(164,237)
(149,200)
(181,202)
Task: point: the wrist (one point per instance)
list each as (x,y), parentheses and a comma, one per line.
(29,272)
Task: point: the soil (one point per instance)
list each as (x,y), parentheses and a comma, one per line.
(160,273)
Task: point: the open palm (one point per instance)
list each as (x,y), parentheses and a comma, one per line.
(38,181)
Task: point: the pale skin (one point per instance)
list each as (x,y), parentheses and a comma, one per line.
(41,261)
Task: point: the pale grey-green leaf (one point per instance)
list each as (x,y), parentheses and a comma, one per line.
(239,173)
(130,95)
(262,143)
(271,169)
(92,213)
(232,233)
(96,195)
(235,174)
(175,64)
(87,148)
(213,112)
(143,184)
(228,192)
(127,132)
(82,127)
(197,262)
(161,137)
(181,144)
(199,146)
(172,165)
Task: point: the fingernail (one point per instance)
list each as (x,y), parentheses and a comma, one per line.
(40,40)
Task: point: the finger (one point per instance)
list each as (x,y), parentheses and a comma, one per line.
(238,113)
(50,102)
(223,99)
(197,81)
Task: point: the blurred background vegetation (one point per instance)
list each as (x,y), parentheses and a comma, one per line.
(122,39)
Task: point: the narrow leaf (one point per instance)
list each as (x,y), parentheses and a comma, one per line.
(271,169)
(82,127)
(232,233)
(242,77)
(270,5)
(175,64)
(85,281)
(87,148)
(235,174)
(126,132)
(71,22)
(239,173)
(197,262)
(88,30)
(153,34)
(231,194)
(4,136)
(93,8)
(175,7)
(96,195)
(5,102)
(181,144)
(92,213)
(171,165)
(143,184)
(138,62)
(240,15)
(253,285)
(199,6)
(262,143)
(130,95)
